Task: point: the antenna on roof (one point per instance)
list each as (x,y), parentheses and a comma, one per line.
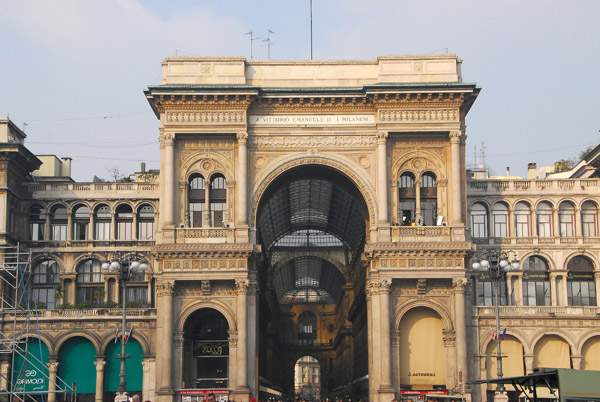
(268,40)
(252,39)
(311,33)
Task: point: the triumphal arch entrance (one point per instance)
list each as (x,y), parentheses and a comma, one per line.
(311,211)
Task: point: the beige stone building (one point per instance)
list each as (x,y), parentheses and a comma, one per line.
(303,208)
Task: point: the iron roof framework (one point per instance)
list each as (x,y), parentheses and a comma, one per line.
(307,217)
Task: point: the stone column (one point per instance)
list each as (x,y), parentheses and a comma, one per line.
(134,230)
(242,328)
(384,321)
(528,363)
(456,177)
(553,296)
(597,280)
(578,229)
(374,341)
(555,223)
(417,198)
(52,370)
(169,143)
(382,182)
(576,362)
(450,349)
(242,179)
(178,359)
(461,327)
(206,218)
(70,225)
(252,334)
(4,370)
(512,230)
(113,226)
(91,234)
(165,291)
(99,363)
(370,361)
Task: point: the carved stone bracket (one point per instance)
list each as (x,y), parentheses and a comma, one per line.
(242,286)
(459,285)
(166,288)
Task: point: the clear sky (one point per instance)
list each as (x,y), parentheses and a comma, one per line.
(74,71)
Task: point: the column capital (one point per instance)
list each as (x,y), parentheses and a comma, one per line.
(53,366)
(242,138)
(455,136)
(382,137)
(98,363)
(459,286)
(168,139)
(166,288)
(385,286)
(233,341)
(242,286)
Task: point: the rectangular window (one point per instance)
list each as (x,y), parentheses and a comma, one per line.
(145,230)
(137,295)
(544,226)
(102,230)
(217,214)
(536,293)
(589,225)
(479,223)
(522,223)
(59,231)
(486,289)
(80,231)
(125,230)
(567,228)
(500,225)
(581,293)
(196,214)
(36,231)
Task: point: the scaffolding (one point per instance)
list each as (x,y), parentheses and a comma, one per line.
(24,375)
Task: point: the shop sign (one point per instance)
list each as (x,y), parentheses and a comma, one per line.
(424,392)
(32,380)
(581,276)
(536,276)
(204,349)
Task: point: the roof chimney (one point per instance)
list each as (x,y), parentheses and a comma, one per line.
(508,171)
(143,167)
(532,171)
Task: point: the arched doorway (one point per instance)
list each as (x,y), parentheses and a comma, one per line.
(312,225)
(206,351)
(76,359)
(307,378)
(422,352)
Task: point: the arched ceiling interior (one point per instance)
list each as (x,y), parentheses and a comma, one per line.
(317,216)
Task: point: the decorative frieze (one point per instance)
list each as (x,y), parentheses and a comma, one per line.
(202,264)
(166,288)
(333,141)
(439,262)
(207,117)
(435,115)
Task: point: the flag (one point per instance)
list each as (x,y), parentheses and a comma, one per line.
(117,335)
(126,337)
(503,333)
(494,335)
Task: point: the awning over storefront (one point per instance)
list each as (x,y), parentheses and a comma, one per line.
(570,385)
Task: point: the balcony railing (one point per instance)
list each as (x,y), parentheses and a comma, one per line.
(496,241)
(52,314)
(88,188)
(574,312)
(476,186)
(89,243)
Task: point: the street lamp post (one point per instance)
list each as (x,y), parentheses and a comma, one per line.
(125,267)
(496,264)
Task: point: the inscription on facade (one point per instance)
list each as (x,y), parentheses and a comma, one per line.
(314,119)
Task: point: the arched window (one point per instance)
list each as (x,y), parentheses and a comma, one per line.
(581,287)
(589,219)
(124,222)
(37,222)
(102,219)
(428,199)
(500,216)
(479,223)
(407,204)
(536,282)
(90,284)
(44,284)
(218,201)
(307,328)
(81,222)
(196,200)
(566,219)
(146,222)
(523,220)
(58,223)
(544,219)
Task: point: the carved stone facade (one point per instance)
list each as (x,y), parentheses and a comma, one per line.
(386,137)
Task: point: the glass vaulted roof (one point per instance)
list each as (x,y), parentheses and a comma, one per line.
(317,222)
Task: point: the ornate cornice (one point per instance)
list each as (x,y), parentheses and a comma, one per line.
(321,141)
(417,248)
(164,103)
(418,115)
(225,117)
(164,251)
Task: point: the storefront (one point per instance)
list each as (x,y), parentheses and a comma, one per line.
(199,395)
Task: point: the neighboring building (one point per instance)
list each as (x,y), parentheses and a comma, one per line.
(549,306)
(279,227)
